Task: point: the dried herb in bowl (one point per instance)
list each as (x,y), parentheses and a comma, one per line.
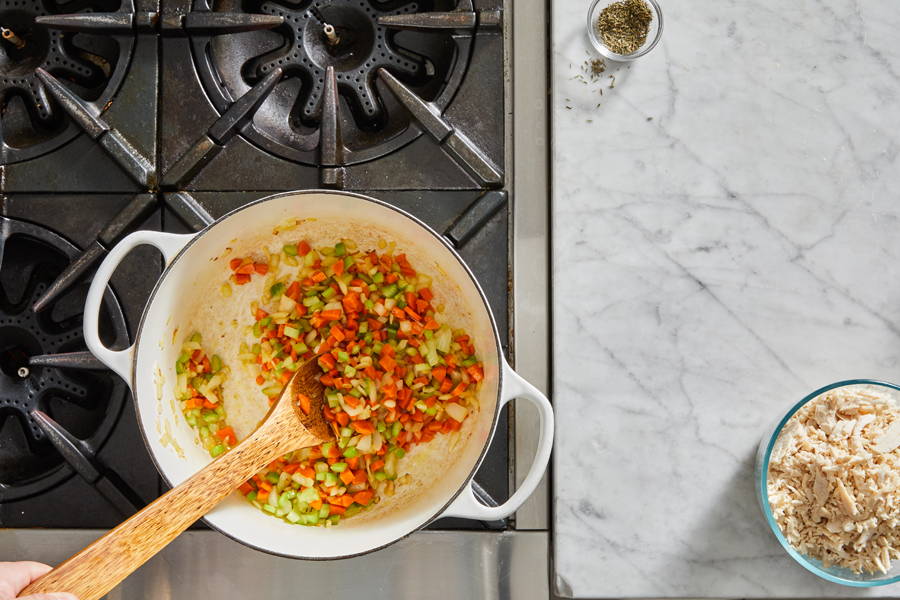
(623,26)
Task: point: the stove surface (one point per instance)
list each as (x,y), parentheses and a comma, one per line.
(168,117)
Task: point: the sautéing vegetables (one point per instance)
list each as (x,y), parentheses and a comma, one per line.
(395,376)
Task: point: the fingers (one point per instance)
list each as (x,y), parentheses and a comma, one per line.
(14,576)
(54,596)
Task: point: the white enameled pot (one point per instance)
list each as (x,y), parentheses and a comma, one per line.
(196,265)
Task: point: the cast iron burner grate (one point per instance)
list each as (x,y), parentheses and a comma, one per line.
(92,65)
(343,35)
(84,403)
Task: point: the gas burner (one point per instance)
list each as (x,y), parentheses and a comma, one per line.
(85,403)
(348,38)
(92,65)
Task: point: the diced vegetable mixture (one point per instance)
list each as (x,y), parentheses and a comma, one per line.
(395,376)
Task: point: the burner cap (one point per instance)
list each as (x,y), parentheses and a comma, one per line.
(345,35)
(92,65)
(86,403)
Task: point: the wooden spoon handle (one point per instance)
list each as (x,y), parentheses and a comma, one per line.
(104,564)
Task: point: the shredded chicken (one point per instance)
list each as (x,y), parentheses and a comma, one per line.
(834,479)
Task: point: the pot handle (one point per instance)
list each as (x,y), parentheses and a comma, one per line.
(466,505)
(169,244)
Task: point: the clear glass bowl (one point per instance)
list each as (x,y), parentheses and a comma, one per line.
(833,574)
(653,35)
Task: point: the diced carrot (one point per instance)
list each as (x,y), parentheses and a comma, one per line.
(476,372)
(334,509)
(343,418)
(376,465)
(360,477)
(316,504)
(247,269)
(261,268)
(304,402)
(319,276)
(346,476)
(338,268)
(262,495)
(331,315)
(241,279)
(460,388)
(293,291)
(431,324)
(337,333)
(327,361)
(234,263)
(387,363)
(246,488)
(363,427)
(208,404)
(364,497)
(303,248)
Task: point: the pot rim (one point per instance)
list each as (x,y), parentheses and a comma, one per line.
(501,360)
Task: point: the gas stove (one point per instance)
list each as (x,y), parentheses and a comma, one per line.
(118,115)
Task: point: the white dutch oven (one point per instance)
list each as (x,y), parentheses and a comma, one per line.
(440,472)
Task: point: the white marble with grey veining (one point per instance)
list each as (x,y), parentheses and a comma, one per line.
(726,239)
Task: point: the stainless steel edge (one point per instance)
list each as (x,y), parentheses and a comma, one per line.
(531,210)
(428,565)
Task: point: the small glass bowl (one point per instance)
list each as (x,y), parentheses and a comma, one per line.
(653,35)
(833,574)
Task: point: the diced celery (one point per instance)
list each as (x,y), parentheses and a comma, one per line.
(340,249)
(308,495)
(292,517)
(339,467)
(324,512)
(292,332)
(215,363)
(196,338)
(380,475)
(331,479)
(321,466)
(217,450)
(351,451)
(272,477)
(395,428)
(290,249)
(268,508)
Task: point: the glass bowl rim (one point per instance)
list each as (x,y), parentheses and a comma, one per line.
(613,56)
(762,487)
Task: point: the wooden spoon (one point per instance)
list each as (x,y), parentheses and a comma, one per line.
(104,564)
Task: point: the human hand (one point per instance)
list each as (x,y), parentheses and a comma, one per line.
(14,576)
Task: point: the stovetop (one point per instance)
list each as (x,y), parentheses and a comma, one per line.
(118,117)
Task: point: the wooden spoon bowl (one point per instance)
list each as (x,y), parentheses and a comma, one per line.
(101,566)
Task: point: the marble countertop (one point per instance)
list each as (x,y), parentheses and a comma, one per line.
(726,229)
